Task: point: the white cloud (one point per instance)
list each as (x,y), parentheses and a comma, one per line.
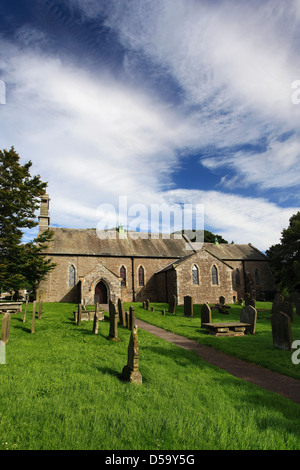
(94,138)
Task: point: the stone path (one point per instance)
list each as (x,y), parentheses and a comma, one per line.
(265,378)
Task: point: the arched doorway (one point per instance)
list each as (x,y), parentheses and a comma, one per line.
(101,293)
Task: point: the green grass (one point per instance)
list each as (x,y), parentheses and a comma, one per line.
(257,348)
(60,389)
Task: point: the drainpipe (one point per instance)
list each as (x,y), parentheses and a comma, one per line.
(132,279)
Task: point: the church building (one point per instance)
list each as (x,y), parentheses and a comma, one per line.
(135,267)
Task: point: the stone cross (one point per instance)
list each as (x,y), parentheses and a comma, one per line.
(131,372)
(249,315)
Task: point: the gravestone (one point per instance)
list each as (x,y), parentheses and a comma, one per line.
(282,331)
(249,315)
(25,311)
(222,300)
(5,328)
(131,318)
(188,306)
(147,304)
(172,304)
(131,372)
(114,319)
(120,310)
(123,318)
(95,323)
(205,314)
(79,315)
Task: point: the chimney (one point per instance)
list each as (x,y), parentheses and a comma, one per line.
(44,218)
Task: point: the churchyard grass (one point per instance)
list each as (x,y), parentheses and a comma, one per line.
(256,348)
(60,389)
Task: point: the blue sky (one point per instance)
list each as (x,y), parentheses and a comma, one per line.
(161,101)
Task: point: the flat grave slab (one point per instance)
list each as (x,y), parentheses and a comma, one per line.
(226,328)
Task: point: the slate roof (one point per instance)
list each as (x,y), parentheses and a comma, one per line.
(86,242)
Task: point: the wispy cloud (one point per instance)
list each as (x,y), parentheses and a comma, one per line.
(96,134)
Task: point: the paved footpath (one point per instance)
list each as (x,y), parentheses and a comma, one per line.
(265,378)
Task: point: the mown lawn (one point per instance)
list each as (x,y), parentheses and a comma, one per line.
(60,389)
(256,348)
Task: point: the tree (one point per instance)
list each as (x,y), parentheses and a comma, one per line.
(284,257)
(21,265)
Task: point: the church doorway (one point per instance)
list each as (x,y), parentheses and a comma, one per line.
(101,293)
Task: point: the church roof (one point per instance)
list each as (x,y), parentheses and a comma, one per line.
(235,252)
(87,242)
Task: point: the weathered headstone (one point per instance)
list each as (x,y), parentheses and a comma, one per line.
(222,300)
(172,304)
(123,318)
(131,318)
(131,371)
(249,315)
(5,328)
(95,323)
(114,319)
(120,310)
(282,331)
(147,304)
(79,315)
(188,306)
(205,314)
(25,311)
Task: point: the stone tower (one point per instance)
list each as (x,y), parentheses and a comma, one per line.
(44,218)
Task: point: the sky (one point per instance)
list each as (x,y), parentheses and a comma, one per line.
(193,103)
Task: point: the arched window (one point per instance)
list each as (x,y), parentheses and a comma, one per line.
(214,275)
(141,276)
(195,275)
(123,276)
(72,274)
(237,277)
(257,281)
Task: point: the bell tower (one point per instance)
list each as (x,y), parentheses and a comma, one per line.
(44,217)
